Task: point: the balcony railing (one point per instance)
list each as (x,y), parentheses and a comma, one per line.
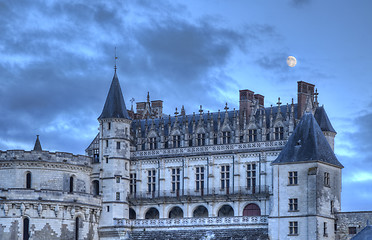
(203,192)
(191,222)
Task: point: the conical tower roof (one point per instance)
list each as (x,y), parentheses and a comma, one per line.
(114,105)
(307,144)
(37,146)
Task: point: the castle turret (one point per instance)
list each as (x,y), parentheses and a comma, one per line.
(306,185)
(114,155)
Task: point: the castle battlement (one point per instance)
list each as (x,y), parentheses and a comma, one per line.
(53,157)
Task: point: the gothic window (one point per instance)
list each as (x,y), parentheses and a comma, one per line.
(96,156)
(226,211)
(326,179)
(225,177)
(199,179)
(279,133)
(95,186)
(176,141)
(71,184)
(293,204)
(176,180)
(28,180)
(117,196)
(132,214)
(225,137)
(151,178)
(152,213)
(200,212)
(200,139)
(252,135)
(26,229)
(293,228)
(77,228)
(252,210)
(133,183)
(152,142)
(176,212)
(251,177)
(292,178)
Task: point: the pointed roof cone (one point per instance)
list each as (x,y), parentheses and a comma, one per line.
(307,144)
(323,121)
(114,105)
(37,146)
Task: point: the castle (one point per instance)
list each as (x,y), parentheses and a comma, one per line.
(253,173)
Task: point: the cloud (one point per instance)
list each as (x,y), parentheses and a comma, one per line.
(299,3)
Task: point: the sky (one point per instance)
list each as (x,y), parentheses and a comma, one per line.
(57,59)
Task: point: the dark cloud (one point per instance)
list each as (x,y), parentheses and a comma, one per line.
(299,3)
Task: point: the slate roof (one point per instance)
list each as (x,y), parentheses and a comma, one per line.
(365,234)
(37,146)
(323,121)
(114,105)
(307,143)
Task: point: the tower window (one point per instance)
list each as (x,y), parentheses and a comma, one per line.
(352,230)
(107,208)
(293,204)
(77,227)
(106,143)
(28,180)
(108,125)
(26,229)
(117,145)
(325,231)
(71,184)
(326,179)
(117,179)
(293,228)
(292,178)
(117,195)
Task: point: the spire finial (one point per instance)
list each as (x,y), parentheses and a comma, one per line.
(201,110)
(316,97)
(115,60)
(148,96)
(37,146)
(131,101)
(176,112)
(226,107)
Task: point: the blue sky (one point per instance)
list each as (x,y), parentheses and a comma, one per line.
(57,57)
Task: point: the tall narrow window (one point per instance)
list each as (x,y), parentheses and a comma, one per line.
(26,229)
(176,180)
(200,139)
(71,184)
(96,156)
(332,207)
(225,137)
(77,228)
(95,186)
(225,177)
(108,125)
(251,177)
(325,230)
(106,143)
(293,228)
(279,133)
(293,204)
(28,180)
(292,178)
(252,135)
(117,145)
(133,183)
(152,142)
(151,178)
(326,179)
(176,141)
(117,196)
(199,179)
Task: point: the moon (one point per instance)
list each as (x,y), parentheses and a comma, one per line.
(291,61)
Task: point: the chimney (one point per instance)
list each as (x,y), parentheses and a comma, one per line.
(304,91)
(157,108)
(245,100)
(260,99)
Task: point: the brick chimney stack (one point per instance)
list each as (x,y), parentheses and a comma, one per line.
(245,101)
(304,91)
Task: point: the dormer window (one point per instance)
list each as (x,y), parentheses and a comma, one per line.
(176,141)
(252,135)
(279,133)
(200,139)
(152,142)
(225,137)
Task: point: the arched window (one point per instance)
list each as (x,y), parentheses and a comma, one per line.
(77,228)
(200,212)
(176,212)
(152,213)
(26,229)
(132,214)
(28,180)
(71,184)
(226,211)
(95,186)
(252,210)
